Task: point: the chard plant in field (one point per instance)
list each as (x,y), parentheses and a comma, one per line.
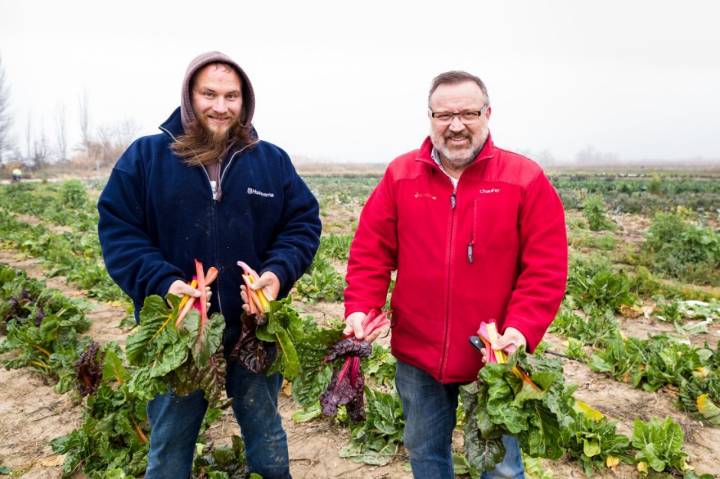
(42,328)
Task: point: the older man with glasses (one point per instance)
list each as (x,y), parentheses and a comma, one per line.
(475,233)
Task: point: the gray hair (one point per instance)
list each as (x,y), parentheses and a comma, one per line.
(454,77)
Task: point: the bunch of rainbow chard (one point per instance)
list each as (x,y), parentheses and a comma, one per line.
(179,346)
(269,329)
(348,383)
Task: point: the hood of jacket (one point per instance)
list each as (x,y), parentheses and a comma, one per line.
(197,64)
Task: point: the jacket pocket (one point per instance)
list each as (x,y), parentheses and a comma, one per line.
(495,220)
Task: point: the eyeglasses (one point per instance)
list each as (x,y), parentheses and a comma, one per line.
(466,117)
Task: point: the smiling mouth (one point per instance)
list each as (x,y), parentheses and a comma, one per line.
(458,140)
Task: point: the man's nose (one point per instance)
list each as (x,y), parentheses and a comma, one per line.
(456,124)
(220,105)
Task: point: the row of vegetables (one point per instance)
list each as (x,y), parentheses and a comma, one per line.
(44,331)
(595,339)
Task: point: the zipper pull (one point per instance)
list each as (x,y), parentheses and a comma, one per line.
(452,200)
(213,187)
(470,252)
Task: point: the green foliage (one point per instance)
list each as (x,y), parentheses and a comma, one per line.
(48,202)
(315,374)
(576,350)
(534,468)
(595,285)
(703,381)
(659,445)
(73,254)
(593,439)
(655,184)
(377,439)
(501,403)
(594,211)
(593,330)
(221,462)
(321,283)
(683,250)
(185,359)
(641,194)
(284,327)
(379,367)
(650,363)
(73,194)
(112,438)
(336,246)
(42,328)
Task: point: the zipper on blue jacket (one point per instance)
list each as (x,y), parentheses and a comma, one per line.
(213,194)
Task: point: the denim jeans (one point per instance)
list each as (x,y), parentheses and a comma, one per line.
(430,409)
(175,423)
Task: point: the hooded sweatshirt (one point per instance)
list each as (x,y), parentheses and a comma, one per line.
(158,214)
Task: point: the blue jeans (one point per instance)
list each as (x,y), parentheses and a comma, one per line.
(175,423)
(430,409)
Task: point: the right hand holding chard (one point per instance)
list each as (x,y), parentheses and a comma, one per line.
(354,326)
(180,288)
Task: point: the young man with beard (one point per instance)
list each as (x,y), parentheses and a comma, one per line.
(475,233)
(208,188)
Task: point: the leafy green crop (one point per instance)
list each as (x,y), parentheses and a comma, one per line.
(284,327)
(321,283)
(42,328)
(335,246)
(377,439)
(594,442)
(501,403)
(594,284)
(683,250)
(659,445)
(185,359)
(594,210)
(112,438)
(649,364)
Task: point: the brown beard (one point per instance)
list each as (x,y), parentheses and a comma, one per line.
(201,146)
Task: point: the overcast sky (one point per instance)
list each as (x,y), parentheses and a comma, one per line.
(347,81)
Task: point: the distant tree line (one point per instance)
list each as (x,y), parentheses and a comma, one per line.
(98,148)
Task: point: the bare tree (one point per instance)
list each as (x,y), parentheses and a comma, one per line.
(28,139)
(61,133)
(6,145)
(112,140)
(84,119)
(87,142)
(40,151)
(37,151)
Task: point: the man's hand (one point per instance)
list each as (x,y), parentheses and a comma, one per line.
(268,282)
(181,288)
(510,341)
(353,327)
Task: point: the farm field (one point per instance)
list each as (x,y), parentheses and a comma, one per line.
(637,335)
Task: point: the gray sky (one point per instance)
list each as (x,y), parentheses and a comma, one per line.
(346,81)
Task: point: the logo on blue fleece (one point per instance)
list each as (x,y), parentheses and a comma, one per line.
(253,191)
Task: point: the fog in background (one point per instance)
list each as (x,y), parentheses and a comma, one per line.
(569,81)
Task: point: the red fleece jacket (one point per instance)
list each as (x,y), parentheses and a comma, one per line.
(494,248)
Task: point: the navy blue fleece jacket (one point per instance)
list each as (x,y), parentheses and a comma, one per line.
(157,215)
